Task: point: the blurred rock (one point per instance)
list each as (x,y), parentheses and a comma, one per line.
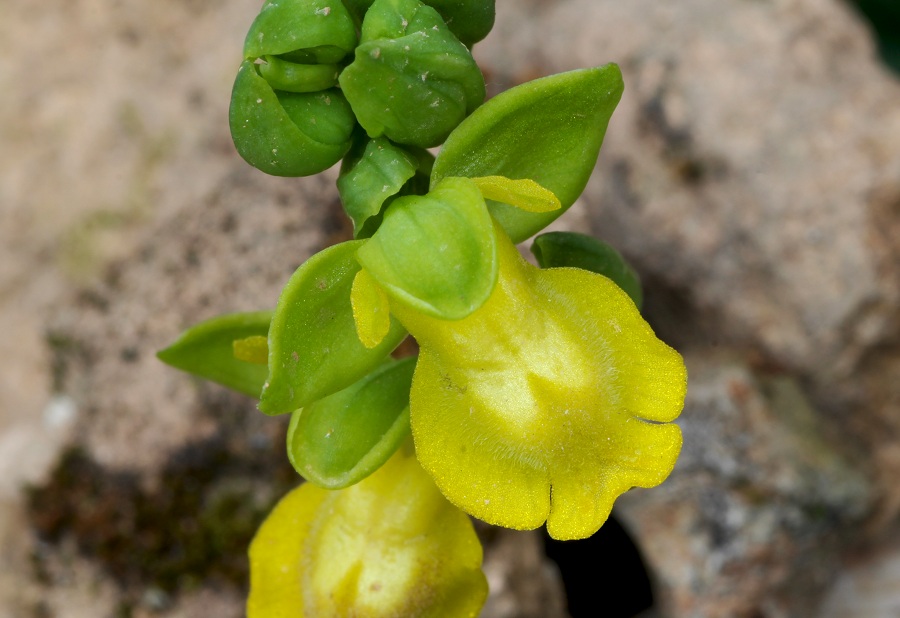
(523,583)
(869,584)
(752,520)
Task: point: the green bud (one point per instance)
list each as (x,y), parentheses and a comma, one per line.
(288,133)
(411,80)
(293,77)
(469,20)
(303,31)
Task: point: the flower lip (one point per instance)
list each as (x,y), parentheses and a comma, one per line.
(547,403)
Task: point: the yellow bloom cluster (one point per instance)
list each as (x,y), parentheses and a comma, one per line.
(544,404)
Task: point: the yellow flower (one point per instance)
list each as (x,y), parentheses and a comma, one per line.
(390,545)
(546,403)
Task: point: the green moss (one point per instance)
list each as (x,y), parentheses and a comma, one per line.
(193,527)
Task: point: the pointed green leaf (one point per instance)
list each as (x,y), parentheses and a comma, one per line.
(288,133)
(569,249)
(343,438)
(313,347)
(206,350)
(437,252)
(549,130)
(411,79)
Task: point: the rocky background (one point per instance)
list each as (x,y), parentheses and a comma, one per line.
(751,174)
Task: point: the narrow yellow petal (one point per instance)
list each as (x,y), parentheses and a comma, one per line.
(253,349)
(525,194)
(371,312)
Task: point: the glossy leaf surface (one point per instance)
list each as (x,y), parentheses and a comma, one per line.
(436,252)
(206,350)
(547,403)
(411,80)
(339,440)
(323,27)
(387,547)
(313,347)
(570,249)
(469,20)
(287,133)
(549,130)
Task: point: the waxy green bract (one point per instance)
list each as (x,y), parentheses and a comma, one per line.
(548,130)
(205,350)
(436,252)
(411,79)
(343,438)
(313,347)
(288,133)
(570,249)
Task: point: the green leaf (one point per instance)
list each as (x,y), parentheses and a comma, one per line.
(411,80)
(287,133)
(323,28)
(370,177)
(313,347)
(436,253)
(569,249)
(549,130)
(343,438)
(469,20)
(206,350)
